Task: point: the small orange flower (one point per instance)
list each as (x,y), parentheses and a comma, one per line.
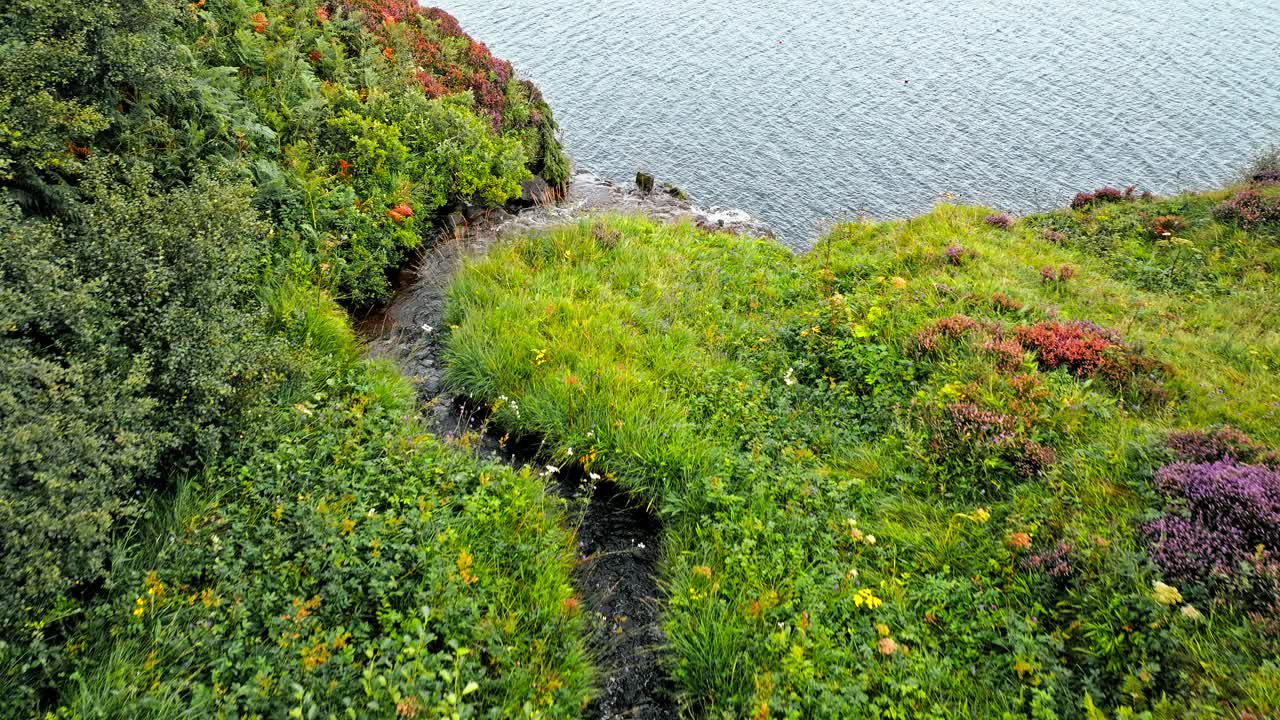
(389,53)
(322,14)
(570,605)
(259,22)
(1018,541)
(408,707)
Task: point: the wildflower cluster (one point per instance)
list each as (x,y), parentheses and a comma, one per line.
(1002,220)
(1101,196)
(1249,207)
(1221,530)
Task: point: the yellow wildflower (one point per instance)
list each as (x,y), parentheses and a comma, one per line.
(865,598)
(1166,594)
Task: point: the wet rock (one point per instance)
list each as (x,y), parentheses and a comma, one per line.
(471,212)
(644,182)
(456,224)
(536,191)
(674,191)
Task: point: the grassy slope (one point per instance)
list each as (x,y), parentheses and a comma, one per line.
(781,411)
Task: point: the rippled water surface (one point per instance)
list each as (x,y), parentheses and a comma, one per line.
(803,112)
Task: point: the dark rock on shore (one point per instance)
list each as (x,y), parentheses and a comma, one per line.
(644,182)
(536,191)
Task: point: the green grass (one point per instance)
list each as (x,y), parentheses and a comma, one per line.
(780,410)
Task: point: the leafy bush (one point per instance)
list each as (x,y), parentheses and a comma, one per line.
(129,343)
(352,128)
(165,169)
(350,565)
(1249,207)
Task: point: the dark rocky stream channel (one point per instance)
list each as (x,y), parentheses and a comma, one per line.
(618,538)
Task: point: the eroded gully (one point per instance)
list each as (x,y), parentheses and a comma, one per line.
(618,539)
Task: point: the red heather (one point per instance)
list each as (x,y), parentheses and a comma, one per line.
(954,327)
(1003,302)
(1101,195)
(1055,562)
(1078,346)
(1007,353)
(970,430)
(1166,225)
(1248,207)
(482,74)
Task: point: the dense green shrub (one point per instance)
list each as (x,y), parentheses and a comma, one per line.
(349,565)
(165,168)
(129,341)
(351,129)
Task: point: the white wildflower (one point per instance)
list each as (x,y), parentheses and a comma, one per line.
(790,377)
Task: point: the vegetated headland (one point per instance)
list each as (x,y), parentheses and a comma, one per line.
(597,455)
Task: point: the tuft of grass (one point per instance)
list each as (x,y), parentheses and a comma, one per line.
(840,540)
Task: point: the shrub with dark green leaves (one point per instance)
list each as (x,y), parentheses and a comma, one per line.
(127,342)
